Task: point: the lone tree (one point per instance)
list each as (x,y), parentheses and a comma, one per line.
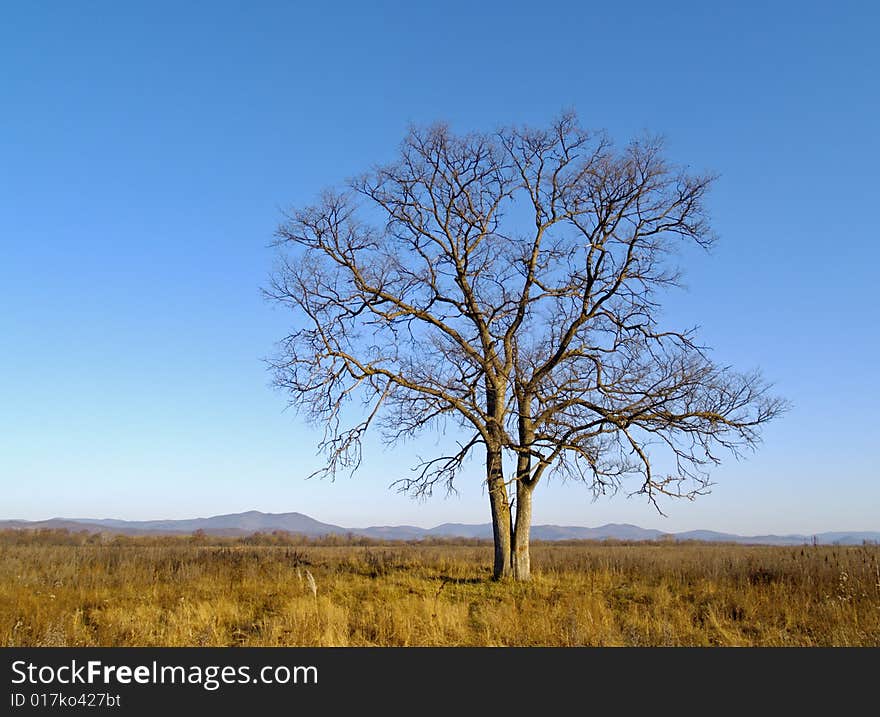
(508,283)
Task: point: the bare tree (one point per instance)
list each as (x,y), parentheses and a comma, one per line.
(509,283)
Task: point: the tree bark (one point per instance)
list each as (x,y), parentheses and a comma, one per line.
(520,558)
(500,513)
(521,563)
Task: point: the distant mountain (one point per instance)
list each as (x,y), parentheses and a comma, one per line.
(461,530)
(51,524)
(233,524)
(238,524)
(707,535)
(392,532)
(612,531)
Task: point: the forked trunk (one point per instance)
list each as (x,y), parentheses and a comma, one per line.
(500,513)
(520,559)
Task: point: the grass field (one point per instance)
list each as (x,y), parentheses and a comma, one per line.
(86,590)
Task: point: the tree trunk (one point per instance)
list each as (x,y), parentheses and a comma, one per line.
(520,559)
(500,513)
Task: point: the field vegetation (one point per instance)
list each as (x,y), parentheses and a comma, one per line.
(81,589)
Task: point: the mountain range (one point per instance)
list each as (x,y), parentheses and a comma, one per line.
(241,524)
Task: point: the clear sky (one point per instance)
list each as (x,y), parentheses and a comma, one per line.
(147,149)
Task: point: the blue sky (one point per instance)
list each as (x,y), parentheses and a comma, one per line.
(147,150)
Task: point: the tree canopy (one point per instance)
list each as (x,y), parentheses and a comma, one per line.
(510,283)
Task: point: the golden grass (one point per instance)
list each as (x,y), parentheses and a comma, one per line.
(58,589)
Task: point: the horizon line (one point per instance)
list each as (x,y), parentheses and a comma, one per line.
(450,522)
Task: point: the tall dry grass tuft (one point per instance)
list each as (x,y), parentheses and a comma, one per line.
(311,584)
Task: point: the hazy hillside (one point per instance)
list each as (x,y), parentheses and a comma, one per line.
(252,521)
(237,524)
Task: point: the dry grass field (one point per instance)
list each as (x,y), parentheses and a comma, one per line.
(81,590)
